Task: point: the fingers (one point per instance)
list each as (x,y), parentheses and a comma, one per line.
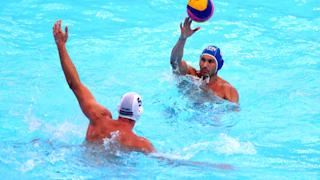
(196,29)
(185,22)
(54,28)
(67,34)
(189,22)
(59,25)
(58,29)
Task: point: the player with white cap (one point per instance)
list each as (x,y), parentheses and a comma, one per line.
(101,123)
(130,106)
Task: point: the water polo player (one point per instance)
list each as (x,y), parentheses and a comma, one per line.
(101,124)
(210,63)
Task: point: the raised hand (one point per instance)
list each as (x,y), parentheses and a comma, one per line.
(59,36)
(186,30)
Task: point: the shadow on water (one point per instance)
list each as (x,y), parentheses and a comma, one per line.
(198,104)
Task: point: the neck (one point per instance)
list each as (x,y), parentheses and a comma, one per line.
(127,121)
(213,79)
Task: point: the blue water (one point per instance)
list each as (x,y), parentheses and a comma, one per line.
(272,57)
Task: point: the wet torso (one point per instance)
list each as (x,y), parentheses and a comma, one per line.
(218,86)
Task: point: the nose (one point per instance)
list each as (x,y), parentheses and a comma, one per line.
(205,64)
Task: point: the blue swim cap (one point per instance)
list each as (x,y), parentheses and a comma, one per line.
(214,52)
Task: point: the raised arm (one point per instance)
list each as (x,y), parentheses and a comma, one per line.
(179,66)
(88,104)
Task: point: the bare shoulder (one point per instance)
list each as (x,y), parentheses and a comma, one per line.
(145,144)
(138,143)
(230,92)
(234,96)
(97,111)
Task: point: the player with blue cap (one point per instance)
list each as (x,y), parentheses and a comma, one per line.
(210,63)
(215,53)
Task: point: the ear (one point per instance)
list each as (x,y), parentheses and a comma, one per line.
(140,111)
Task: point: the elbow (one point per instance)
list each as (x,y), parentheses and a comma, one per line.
(73,86)
(172,59)
(174,63)
(70,85)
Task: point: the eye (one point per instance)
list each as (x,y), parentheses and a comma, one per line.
(210,61)
(203,59)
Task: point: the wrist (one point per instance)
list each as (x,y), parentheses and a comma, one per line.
(181,38)
(61,45)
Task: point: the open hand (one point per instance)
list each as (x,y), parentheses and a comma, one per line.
(59,36)
(186,30)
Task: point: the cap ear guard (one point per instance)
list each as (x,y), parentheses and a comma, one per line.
(140,108)
(139,112)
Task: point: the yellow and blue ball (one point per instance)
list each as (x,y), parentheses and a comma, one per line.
(200,10)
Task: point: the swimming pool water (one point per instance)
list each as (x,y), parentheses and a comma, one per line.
(271,51)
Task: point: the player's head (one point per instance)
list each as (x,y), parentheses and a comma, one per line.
(210,61)
(130,106)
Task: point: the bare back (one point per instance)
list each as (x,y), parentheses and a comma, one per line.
(103,128)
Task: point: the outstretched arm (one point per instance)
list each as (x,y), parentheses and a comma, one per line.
(178,65)
(88,104)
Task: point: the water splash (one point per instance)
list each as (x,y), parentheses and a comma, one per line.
(228,145)
(112,145)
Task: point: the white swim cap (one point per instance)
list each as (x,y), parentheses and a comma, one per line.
(130,106)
